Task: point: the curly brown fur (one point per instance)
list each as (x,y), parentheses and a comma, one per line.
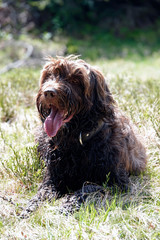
(83,137)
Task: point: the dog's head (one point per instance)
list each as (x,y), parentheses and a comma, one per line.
(70,87)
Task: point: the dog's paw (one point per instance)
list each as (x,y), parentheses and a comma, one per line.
(31,207)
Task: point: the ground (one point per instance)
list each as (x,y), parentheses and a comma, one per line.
(134,79)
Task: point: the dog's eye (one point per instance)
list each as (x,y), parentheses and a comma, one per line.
(73,81)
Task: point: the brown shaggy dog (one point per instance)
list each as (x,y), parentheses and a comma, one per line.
(84,137)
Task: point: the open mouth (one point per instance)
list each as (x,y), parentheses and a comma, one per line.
(55,120)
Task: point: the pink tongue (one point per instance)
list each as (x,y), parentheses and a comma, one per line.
(53,122)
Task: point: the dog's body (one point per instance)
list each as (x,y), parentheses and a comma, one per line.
(83,137)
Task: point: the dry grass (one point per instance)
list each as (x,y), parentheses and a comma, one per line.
(134,215)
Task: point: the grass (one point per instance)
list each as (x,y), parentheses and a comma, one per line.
(135,82)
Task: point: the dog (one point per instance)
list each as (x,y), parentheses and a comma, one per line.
(83,137)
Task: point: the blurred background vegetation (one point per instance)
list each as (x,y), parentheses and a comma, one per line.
(92,28)
(78,16)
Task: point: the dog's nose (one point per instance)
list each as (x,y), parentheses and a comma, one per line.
(49,92)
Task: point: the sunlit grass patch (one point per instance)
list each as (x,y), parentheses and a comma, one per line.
(19,157)
(17,89)
(135,84)
(8,101)
(24,165)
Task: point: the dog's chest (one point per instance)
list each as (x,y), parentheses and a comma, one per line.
(78,164)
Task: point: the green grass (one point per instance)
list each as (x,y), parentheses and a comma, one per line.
(135,82)
(134,45)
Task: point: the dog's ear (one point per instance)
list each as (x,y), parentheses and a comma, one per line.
(100,95)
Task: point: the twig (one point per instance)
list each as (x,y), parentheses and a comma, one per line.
(20,62)
(10,201)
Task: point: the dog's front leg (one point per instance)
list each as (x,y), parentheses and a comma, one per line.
(46,191)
